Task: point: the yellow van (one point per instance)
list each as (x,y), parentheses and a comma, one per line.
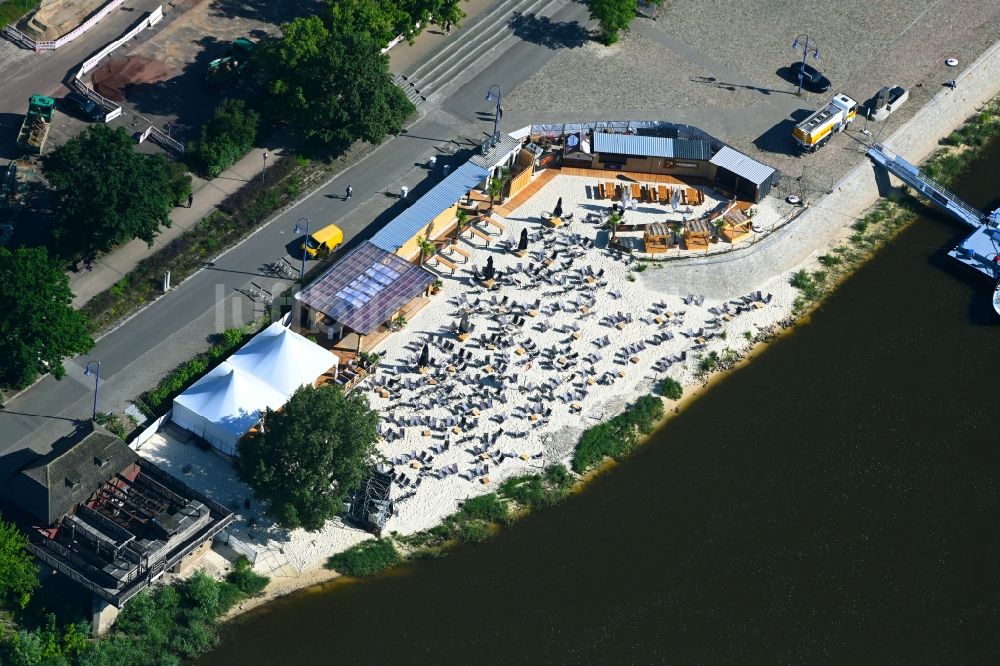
(324,241)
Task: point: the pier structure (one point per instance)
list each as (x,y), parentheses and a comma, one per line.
(981,249)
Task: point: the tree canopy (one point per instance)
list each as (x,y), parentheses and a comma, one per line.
(332,85)
(311,455)
(226,137)
(105,192)
(38,325)
(18,573)
(614,16)
(383,20)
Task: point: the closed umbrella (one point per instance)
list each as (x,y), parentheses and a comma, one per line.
(522,244)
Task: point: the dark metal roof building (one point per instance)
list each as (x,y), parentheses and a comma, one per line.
(108,519)
(52,486)
(636,145)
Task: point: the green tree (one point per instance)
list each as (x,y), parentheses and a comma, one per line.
(178,182)
(226,137)
(38,325)
(105,192)
(438,12)
(310,455)
(331,86)
(381,21)
(18,574)
(614,17)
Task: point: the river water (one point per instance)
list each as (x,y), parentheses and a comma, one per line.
(836,501)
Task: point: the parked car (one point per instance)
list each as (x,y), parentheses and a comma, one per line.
(321,243)
(80,105)
(812,78)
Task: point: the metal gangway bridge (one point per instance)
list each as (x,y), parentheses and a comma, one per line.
(981,250)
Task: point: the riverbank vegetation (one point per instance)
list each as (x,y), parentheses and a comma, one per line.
(671,388)
(368,558)
(476,520)
(888,217)
(159,627)
(617,437)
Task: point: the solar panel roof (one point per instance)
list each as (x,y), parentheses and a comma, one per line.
(365,288)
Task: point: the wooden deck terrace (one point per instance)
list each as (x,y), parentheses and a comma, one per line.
(538,182)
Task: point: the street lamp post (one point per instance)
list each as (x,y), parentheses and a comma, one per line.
(97,380)
(302,227)
(802,42)
(264,170)
(490,95)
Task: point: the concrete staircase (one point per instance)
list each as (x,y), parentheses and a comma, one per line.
(475,41)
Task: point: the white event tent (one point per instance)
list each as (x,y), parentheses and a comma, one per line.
(283,358)
(224,404)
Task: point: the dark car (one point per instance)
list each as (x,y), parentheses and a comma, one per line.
(812,78)
(80,105)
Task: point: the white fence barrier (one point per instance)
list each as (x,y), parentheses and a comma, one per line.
(23,39)
(150,430)
(113,109)
(161,139)
(238,546)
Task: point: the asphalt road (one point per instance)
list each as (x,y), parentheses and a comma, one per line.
(136,355)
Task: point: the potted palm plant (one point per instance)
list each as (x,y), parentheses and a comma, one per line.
(717,229)
(675,230)
(426,247)
(496,185)
(461,223)
(614,221)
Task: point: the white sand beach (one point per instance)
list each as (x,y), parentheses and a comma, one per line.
(554,350)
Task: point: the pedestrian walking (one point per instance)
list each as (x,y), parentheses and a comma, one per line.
(350,191)
(447,28)
(190,199)
(952,84)
(402,191)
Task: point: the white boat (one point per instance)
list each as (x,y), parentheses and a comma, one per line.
(996,298)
